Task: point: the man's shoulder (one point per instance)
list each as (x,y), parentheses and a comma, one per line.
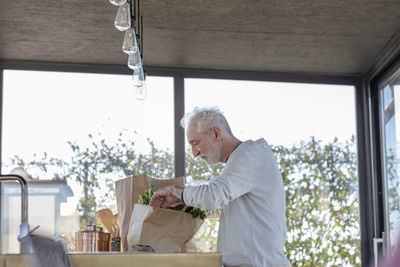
(255,142)
(250,149)
(258,144)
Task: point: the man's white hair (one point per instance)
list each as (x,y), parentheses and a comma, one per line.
(206,118)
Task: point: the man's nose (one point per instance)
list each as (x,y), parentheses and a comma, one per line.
(195,152)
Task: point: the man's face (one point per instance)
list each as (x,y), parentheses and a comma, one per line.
(203,144)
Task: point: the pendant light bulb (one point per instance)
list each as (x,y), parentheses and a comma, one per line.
(134,60)
(130,45)
(117,2)
(123,19)
(141,92)
(139,82)
(138,77)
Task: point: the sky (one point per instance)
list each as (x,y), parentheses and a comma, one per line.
(282,113)
(44,110)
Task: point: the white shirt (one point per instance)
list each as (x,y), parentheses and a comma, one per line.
(249,191)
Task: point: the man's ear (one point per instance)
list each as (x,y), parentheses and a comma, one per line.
(216,132)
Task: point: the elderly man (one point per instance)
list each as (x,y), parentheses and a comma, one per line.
(249,191)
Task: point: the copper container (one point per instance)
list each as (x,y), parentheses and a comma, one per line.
(92,239)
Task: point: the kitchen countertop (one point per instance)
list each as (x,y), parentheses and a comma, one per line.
(125,259)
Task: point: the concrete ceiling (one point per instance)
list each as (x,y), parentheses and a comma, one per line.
(309,36)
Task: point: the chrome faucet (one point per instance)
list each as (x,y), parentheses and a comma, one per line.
(24,227)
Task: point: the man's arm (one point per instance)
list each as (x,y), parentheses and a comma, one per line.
(237,179)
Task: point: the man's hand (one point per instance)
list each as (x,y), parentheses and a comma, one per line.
(166,197)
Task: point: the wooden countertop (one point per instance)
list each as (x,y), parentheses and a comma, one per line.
(125,260)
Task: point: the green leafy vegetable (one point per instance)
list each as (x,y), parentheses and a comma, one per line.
(145,198)
(197,213)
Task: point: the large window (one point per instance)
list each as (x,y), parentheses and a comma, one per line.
(75,134)
(311,129)
(390,127)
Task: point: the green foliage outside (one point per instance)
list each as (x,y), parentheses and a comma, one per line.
(322,203)
(320,182)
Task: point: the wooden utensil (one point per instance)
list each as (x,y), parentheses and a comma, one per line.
(106,218)
(115,224)
(114,219)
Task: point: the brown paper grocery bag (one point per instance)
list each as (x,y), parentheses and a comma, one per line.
(165,230)
(139,215)
(127,192)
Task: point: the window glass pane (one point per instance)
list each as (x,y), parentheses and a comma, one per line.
(75,134)
(311,129)
(390,124)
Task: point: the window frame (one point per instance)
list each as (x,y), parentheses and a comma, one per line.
(376,82)
(179,74)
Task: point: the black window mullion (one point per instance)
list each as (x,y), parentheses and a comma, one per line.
(179,110)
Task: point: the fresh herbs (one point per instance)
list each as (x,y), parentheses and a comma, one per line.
(145,198)
(197,213)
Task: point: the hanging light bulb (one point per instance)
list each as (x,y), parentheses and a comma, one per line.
(125,22)
(117,2)
(139,82)
(141,92)
(123,19)
(134,60)
(130,45)
(138,77)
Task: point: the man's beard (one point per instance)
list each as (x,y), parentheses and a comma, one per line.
(212,157)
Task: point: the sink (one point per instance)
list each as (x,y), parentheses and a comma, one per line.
(24,226)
